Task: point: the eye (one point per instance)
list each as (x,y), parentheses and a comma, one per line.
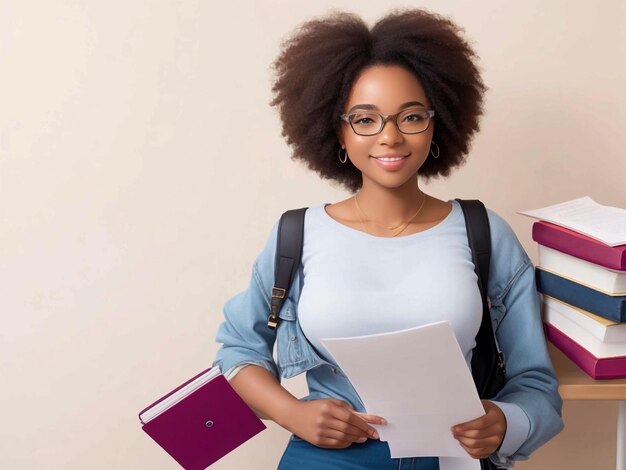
(414,116)
(365,119)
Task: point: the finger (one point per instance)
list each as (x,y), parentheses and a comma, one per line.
(342,411)
(336,431)
(335,414)
(353,432)
(490,442)
(371,419)
(477,453)
(346,414)
(332,438)
(355,420)
(487,420)
(330,443)
(493,430)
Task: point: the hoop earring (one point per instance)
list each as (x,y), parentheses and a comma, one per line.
(433,154)
(345,155)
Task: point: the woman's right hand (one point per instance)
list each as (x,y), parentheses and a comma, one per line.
(330,423)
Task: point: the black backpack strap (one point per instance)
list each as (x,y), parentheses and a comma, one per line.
(479,238)
(487,360)
(288,253)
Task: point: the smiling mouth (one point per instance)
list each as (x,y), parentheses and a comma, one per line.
(391,159)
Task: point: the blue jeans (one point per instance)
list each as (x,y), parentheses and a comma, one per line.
(372,454)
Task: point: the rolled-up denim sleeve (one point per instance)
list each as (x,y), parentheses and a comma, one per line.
(530,379)
(244,334)
(531,382)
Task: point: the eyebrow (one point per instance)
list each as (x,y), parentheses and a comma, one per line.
(372,107)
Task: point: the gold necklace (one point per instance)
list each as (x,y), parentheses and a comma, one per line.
(400,227)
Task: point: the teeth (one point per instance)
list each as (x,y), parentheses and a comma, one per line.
(390,159)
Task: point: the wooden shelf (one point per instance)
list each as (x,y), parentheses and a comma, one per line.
(574,384)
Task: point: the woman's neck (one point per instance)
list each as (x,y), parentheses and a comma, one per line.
(390,206)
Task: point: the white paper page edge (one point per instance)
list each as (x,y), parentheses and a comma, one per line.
(611,235)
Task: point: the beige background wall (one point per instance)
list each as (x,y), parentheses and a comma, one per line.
(141,169)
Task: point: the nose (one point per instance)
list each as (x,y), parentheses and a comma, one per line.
(390,134)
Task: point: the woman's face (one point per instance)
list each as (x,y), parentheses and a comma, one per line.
(389,159)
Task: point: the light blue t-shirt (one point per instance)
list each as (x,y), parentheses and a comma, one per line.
(359,284)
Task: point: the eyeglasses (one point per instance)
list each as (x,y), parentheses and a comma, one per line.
(408,121)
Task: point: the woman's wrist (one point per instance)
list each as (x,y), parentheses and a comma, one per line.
(285,412)
(264,394)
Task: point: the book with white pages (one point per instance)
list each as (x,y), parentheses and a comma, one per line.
(584,215)
(604,330)
(580,335)
(583,272)
(200,421)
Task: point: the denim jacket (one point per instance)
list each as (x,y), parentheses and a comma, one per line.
(515,311)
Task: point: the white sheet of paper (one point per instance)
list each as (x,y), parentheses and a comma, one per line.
(604,223)
(418,380)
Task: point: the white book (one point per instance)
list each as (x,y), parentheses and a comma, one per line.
(604,223)
(583,272)
(605,330)
(580,335)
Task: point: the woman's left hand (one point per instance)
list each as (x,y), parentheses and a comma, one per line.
(482,436)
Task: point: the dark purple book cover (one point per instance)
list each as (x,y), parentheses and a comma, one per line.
(204,426)
(596,368)
(578,245)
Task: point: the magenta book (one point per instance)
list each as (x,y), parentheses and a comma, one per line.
(200,421)
(579,245)
(603,368)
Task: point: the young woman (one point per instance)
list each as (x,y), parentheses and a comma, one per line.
(373,109)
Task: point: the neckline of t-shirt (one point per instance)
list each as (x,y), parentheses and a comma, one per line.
(447,220)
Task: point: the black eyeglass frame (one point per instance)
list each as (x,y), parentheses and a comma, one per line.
(429,112)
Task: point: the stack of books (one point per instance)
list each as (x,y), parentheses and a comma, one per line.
(582,276)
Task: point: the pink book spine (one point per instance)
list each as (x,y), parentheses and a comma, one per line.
(603,368)
(579,245)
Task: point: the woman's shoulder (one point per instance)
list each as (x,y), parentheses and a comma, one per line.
(508,257)
(502,234)
(269,250)
(499,228)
